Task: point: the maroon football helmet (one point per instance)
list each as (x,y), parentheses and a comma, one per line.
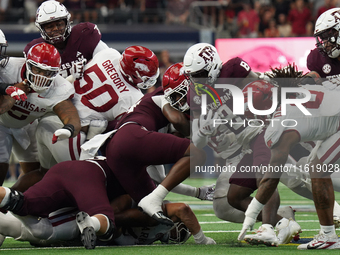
(43,62)
(175,86)
(262,98)
(140,66)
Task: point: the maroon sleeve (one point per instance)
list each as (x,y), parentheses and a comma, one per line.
(89,35)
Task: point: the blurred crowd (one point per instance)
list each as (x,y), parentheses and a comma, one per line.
(245,18)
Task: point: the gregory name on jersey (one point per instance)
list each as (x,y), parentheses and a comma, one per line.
(112,72)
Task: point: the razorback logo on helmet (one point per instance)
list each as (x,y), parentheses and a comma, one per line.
(207,53)
(142,67)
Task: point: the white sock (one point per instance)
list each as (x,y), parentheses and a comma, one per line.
(199,237)
(95,223)
(254,208)
(160,192)
(186,190)
(5,199)
(328,230)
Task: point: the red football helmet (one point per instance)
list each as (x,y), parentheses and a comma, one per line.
(175,86)
(42,63)
(262,98)
(140,66)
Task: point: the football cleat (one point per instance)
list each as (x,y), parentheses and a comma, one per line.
(287,230)
(286,212)
(88,235)
(264,235)
(321,241)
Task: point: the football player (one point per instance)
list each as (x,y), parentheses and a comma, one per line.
(324,60)
(241,187)
(195,66)
(322,128)
(112,82)
(77,45)
(58,226)
(8,89)
(49,92)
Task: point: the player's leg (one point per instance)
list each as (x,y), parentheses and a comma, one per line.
(64,150)
(323,193)
(178,173)
(6,141)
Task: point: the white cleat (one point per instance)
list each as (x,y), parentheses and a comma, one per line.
(287,230)
(88,235)
(321,241)
(264,235)
(152,207)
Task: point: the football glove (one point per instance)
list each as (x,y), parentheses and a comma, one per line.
(16,93)
(77,69)
(63,133)
(206,125)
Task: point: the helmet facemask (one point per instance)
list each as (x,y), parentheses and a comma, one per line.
(177,96)
(179,234)
(147,82)
(38,82)
(328,42)
(62,32)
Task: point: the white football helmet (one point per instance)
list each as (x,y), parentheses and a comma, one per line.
(326,32)
(202,61)
(50,11)
(3,48)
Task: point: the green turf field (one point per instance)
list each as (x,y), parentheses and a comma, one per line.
(224,233)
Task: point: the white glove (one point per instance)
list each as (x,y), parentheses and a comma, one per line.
(206,125)
(96,127)
(77,69)
(248,223)
(206,192)
(63,133)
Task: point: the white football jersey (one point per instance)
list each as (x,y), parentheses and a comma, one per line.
(321,124)
(103,93)
(36,105)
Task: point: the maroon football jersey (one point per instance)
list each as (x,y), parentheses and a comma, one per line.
(325,66)
(80,45)
(147,113)
(235,68)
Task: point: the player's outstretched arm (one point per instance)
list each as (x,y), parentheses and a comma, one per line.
(68,114)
